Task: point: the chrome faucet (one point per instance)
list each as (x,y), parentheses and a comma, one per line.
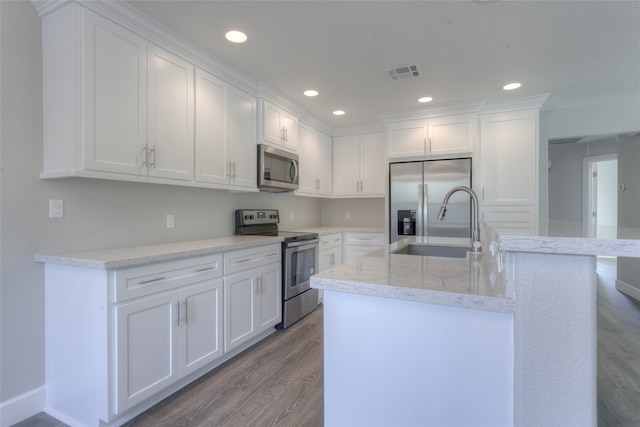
(475,231)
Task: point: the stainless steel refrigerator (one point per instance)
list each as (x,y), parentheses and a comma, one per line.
(416,191)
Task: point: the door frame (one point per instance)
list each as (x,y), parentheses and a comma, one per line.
(589,190)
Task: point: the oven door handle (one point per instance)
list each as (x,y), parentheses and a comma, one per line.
(303,243)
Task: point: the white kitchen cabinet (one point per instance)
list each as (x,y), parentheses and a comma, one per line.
(166,337)
(129,335)
(253,301)
(279,127)
(95,94)
(509,166)
(359,166)
(436,136)
(361,243)
(225,134)
(330,253)
(170,147)
(315,151)
(121,105)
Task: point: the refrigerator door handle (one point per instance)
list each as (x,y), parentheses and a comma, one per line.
(420,213)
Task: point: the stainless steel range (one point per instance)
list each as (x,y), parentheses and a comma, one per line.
(299,261)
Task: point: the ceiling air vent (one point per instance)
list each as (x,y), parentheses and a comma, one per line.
(403,72)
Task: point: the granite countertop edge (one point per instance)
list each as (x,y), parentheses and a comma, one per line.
(115,258)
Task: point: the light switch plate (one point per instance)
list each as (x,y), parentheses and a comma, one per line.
(56,208)
(171,221)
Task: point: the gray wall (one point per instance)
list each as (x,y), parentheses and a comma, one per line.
(566,176)
(615,117)
(629,206)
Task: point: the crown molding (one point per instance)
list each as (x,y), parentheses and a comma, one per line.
(471,106)
(514,104)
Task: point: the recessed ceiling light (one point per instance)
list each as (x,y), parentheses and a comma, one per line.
(339,113)
(236,36)
(425,99)
(311,92)
(512,86)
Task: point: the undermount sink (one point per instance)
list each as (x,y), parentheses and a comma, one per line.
(433,250)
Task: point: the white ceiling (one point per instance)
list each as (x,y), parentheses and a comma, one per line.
(581,52)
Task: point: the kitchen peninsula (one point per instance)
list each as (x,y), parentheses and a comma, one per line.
(504,338)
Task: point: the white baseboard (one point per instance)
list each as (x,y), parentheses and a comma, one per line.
(23,406)
(628,289)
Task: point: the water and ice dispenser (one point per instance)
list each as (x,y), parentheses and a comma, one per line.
(406,222)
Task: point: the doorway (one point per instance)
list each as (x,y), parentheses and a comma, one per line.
(600,198)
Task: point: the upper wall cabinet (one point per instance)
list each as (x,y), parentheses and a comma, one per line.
(225,134)
(117,106)
(169,148)
(95,95)
(359,166)
(278,126)
(437,136)
(127,108)
(314,148)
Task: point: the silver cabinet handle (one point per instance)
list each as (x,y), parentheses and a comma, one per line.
(243,260)
(177,305)
(144,155)
(212,267)
(184,314)
(156,279)
(153,151)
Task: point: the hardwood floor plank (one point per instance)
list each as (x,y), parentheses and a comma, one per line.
(278,382)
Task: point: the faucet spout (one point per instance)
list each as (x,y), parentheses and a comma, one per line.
(475,227)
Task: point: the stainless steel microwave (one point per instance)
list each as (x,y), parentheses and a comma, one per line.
(277,169)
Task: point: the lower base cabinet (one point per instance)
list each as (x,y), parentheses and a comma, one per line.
(118,341)
(252,304)
(164,338)
(360,243)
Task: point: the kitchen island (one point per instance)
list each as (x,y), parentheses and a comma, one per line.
(504,338)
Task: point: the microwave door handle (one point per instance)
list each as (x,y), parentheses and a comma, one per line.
(294,166)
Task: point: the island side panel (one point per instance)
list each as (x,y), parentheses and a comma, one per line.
(555,339)
(403,363)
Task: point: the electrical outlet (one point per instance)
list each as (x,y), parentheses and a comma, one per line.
(171,221)
(292,217)
(348,215)
(56,208)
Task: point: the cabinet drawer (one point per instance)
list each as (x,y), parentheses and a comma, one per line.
(368,239)
(148,279)
(330,241)
(245,259)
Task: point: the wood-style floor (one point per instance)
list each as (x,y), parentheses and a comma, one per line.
(278,382)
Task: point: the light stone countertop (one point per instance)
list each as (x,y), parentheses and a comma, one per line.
(473,282)
(323,230)
(108,259)
(563,237)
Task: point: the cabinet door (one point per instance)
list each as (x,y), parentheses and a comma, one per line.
(271,123)
(115,83)
(373,165)
(212,159)
(270,297)
(290,127)
(509,155)
(407,139)
(324,168)
(242,139)
(147,348)
(346,165)
(307,146)
(171,117)
(201,320)
(239,311)
(452,135)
